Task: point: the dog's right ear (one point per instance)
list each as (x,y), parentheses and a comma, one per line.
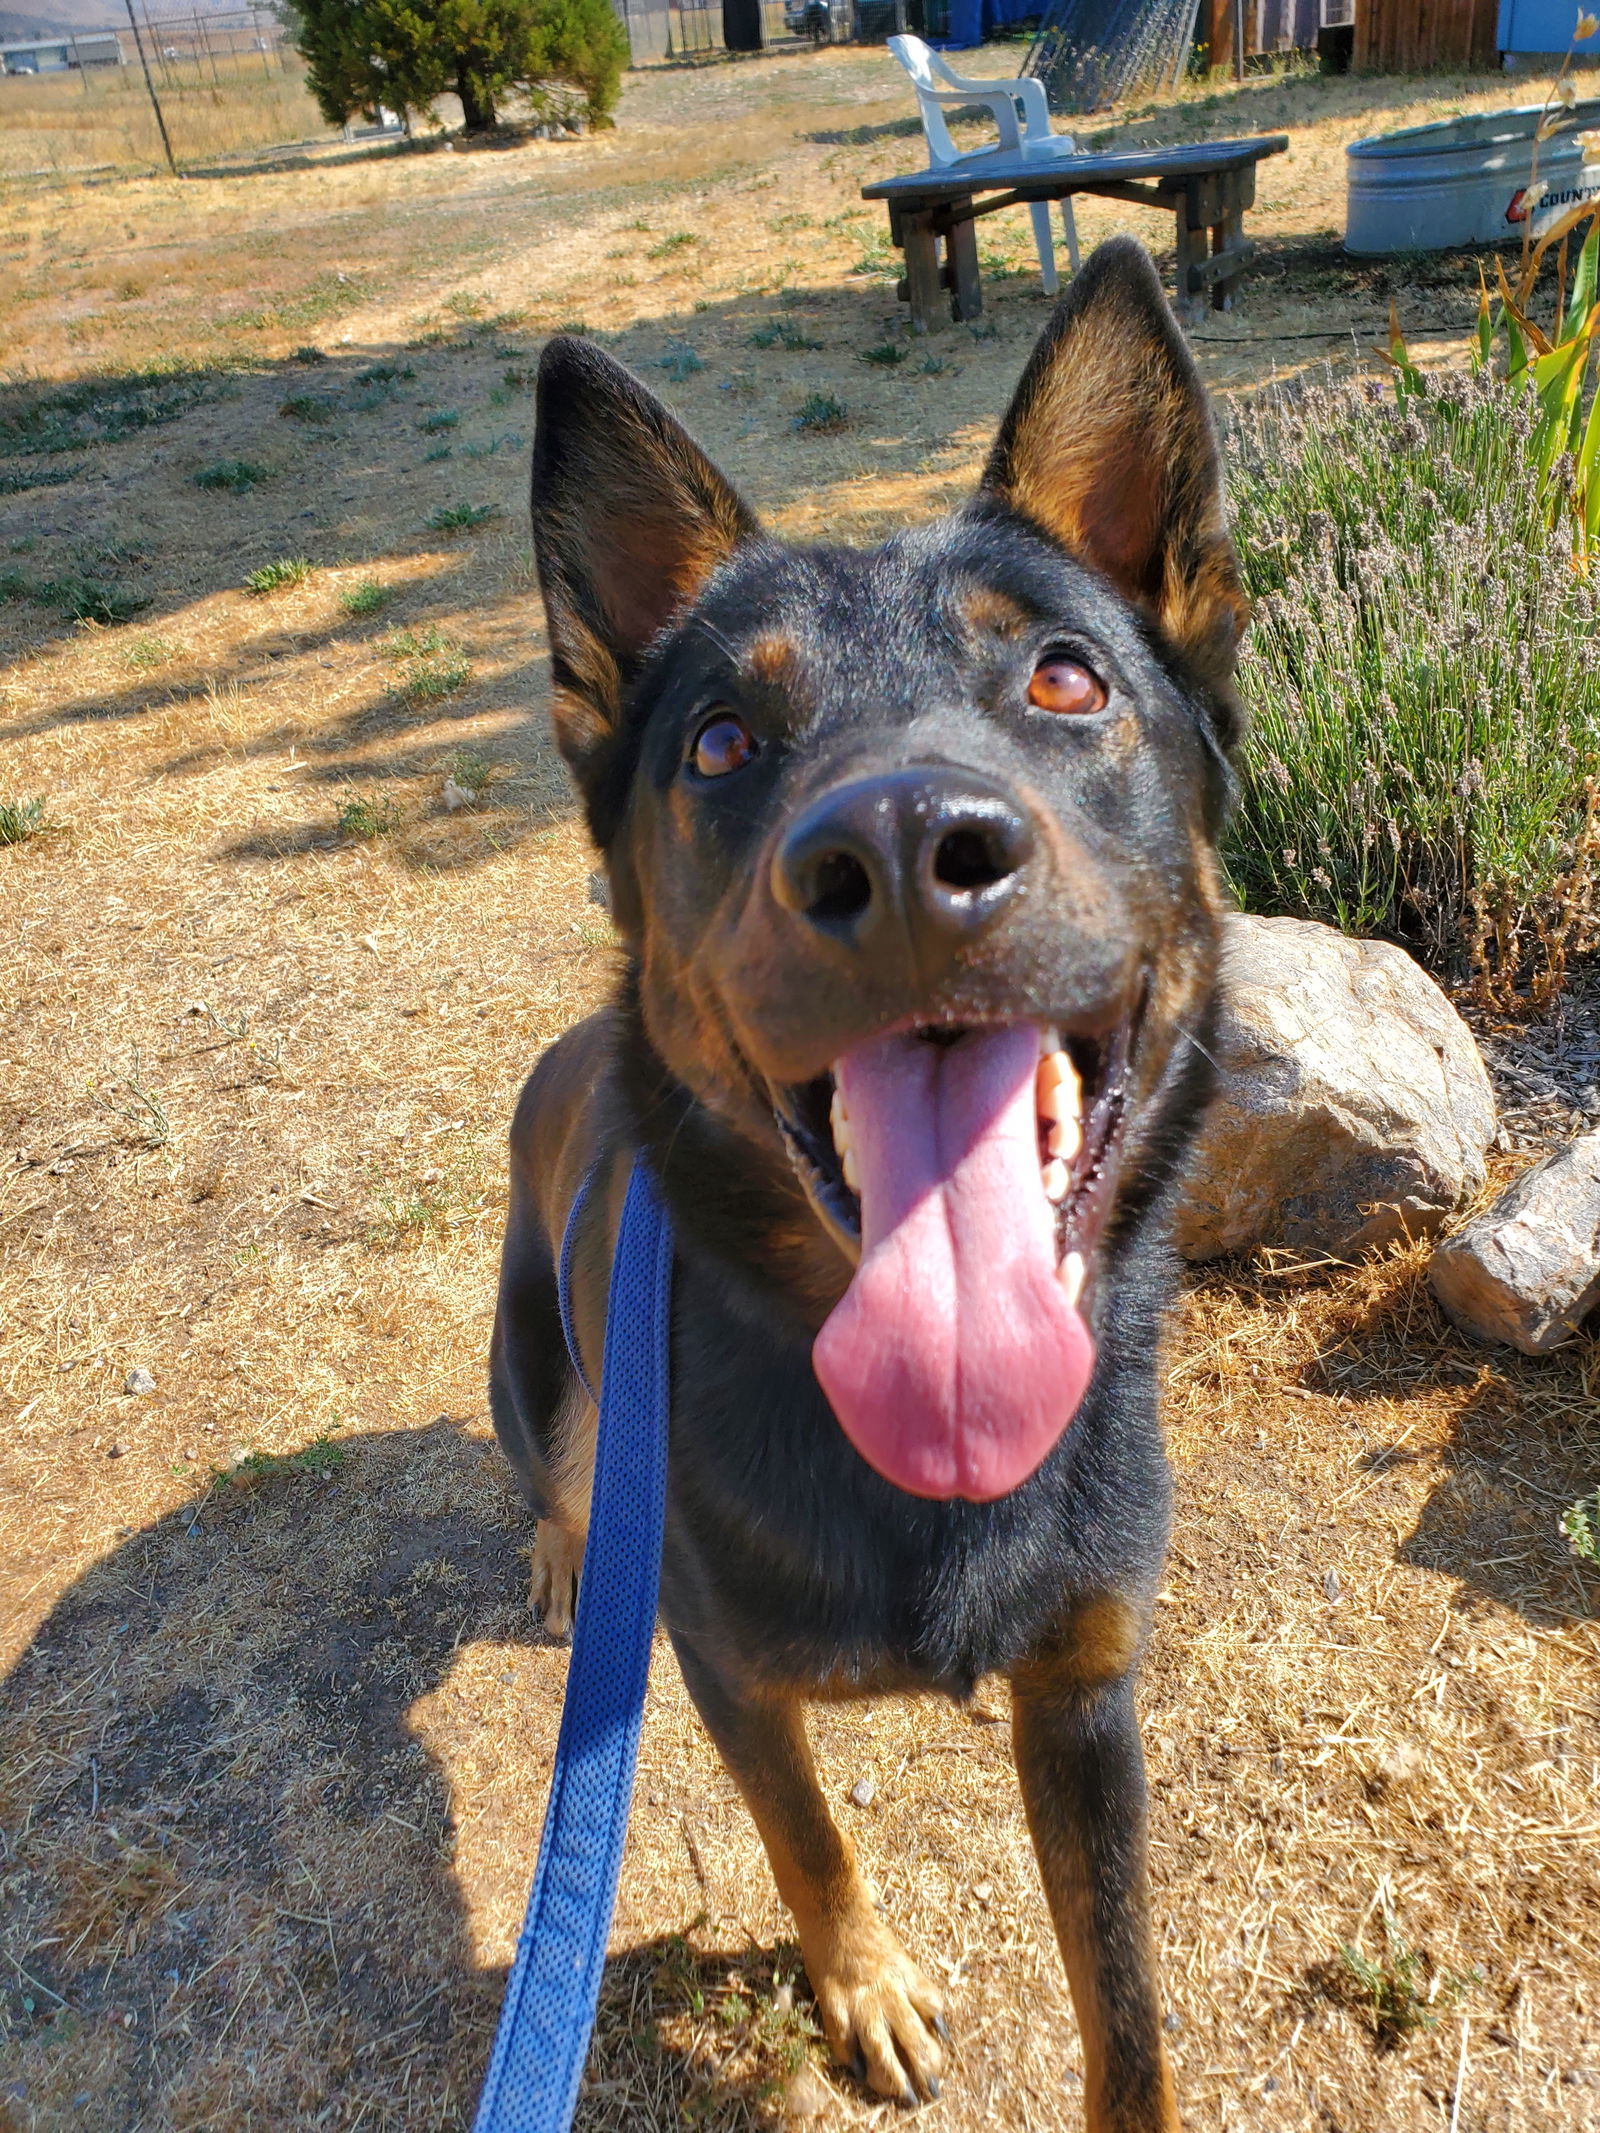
(630,518)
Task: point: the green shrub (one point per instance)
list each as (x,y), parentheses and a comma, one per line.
(366,598)
(368,819)
(20,820)
(886,355)
(458,518)
(279,575)
(821,411)
(1424,680)
(234,475)
(307,407)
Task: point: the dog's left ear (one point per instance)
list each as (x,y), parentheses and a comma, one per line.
(630,518)
(1108,446)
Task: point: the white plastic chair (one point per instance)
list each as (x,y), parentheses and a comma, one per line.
(1022,115)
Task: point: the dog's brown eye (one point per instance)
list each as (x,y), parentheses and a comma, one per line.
(723,743)
(1061,684)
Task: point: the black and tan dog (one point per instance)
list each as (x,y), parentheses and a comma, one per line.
(911,852)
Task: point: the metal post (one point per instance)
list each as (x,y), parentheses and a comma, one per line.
(155,101)
(1238,38)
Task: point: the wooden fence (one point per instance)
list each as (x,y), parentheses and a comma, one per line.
(1418,36)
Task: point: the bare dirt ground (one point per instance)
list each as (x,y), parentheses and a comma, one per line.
(276,1726)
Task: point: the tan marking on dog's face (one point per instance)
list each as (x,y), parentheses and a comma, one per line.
(773,661)
(994,614)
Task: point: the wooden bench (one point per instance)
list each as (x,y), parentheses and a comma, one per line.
(1206,186)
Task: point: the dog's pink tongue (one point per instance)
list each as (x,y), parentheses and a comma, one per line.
(954,1360)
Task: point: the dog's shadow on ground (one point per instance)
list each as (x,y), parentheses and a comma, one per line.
(228,1853)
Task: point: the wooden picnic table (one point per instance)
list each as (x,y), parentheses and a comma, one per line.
(1207,186)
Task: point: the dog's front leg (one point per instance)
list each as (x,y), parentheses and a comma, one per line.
(1082,1775)
(877,2007)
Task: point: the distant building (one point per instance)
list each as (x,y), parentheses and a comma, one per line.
(56,55)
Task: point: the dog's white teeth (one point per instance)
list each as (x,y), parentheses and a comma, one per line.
(1055,1180)
(1060,1101)
(1070,1273)
(839,1122)
(1049,1040)
(1065,1138)
(848,1164)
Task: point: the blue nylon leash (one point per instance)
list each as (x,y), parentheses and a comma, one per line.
(548,2011)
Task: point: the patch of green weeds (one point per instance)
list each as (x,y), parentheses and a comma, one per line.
(235,475)
(469,768)
(442,418)
(279,575)
(1580,1522)
(439,451)
(80,599)
(385,374)
(821,412)
(322,1457)
(37,478)
(681,362)
(367,820)
(886,354)
(147,653)
(933,366)
(433,665)
(780,333)
(519,380)
(984,329)
(21,819)
(309,354)
(1403,1993)
(314,408)
(102,410)
(674,241)
(459,518)
(576,327)
(367,597)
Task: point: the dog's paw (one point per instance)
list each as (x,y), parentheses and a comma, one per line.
(553,1585)
(879,2012)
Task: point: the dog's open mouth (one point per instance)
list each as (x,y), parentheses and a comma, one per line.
(973,1169)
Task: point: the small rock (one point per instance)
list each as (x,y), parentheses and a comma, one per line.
(1172,2023)
(1353,1105)
(807,2095)
(116,1451)
(139,1381)
(189,1452)
(783,1999)
(457,796)
(863,1792)
(1527,1270)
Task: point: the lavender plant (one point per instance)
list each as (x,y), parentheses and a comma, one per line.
(1424,680)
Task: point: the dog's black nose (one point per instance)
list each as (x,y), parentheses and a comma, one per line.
(934,848)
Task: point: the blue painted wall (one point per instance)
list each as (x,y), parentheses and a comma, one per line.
(1542,26)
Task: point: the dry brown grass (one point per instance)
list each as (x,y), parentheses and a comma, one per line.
(276,1731)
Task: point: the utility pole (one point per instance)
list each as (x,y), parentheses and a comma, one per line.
(155,101)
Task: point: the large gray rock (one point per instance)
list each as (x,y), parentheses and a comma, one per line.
(1354,1106)
(1527,1270)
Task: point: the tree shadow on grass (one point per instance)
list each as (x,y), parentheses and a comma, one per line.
(229,1852)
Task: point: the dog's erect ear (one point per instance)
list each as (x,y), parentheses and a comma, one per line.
(629,520)
(1108,446)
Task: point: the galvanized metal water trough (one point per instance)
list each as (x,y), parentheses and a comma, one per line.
(1466,181)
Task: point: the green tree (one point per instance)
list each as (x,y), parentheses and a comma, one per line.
(363,54)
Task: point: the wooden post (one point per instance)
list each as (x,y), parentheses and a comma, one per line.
(966,284)
(922,269)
